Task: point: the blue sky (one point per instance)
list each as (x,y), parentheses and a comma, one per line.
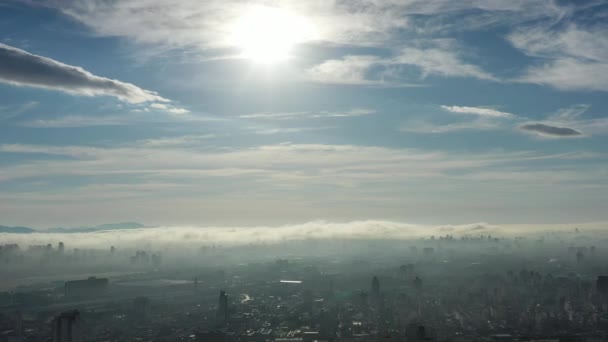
(268,112)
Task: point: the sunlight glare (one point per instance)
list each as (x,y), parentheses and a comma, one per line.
(268,35)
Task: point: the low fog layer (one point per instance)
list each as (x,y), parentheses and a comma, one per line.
(196,236)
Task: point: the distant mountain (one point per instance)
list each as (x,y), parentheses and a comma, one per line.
(16,230)
(108,226)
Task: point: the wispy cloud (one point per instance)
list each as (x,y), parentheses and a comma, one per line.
(388,71)
(9,112)
(481,111)
(169,108)
(309,115)
(441,62)
(350,70)
(430,127)
(207,24)
(77,121)
(21,68)
(316,163)
(184,141)
(574,58)
(484,118)
(287,130)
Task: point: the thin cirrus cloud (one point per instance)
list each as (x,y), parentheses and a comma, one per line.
(21,68)
(309,115)
(481,111)
(483,119)
(206,24)
(440,60)
(574,58)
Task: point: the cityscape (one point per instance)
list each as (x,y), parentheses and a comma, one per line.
(473,287)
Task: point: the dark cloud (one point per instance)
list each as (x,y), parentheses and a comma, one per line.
(21,68)
(552,131)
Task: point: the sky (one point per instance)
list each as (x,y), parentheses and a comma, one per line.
(226,112)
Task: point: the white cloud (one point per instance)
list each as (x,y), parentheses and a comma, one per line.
(483,119)
(184,140)
(185,238)
(309,115)
(9,112)
(573,58)
(441,62)
(208,24)
(387,71)
(169,108)
(77,121)
(21,68)
(350,70)
(481,111)
(429,127)
(298,163)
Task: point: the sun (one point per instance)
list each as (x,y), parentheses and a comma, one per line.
(268,35)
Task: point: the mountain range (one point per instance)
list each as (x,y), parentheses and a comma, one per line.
(107,226)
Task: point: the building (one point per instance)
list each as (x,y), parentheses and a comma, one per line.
(602,285)
(222,309)
(375,286)
(87,287)
(141,307)
(67,327)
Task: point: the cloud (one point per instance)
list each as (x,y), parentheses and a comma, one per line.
(184,140)
(309,115)
(287,130)
(350,70)
(169,108)
(183,158)
(550,131)
(206,25)
(71,121)
(388,71)
(441,62)
(21,68)
(429,127)
(483,119)
(481,111)
(9,112)
(572,121)
(573,58)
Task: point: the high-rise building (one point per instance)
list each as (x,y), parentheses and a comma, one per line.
(602,285)
(67,327)
(141,307)
(375,286)
(222,309)
(418,283)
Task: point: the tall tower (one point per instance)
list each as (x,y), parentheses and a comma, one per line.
(375,287)
(222,309)
(67,327)
(602,285)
